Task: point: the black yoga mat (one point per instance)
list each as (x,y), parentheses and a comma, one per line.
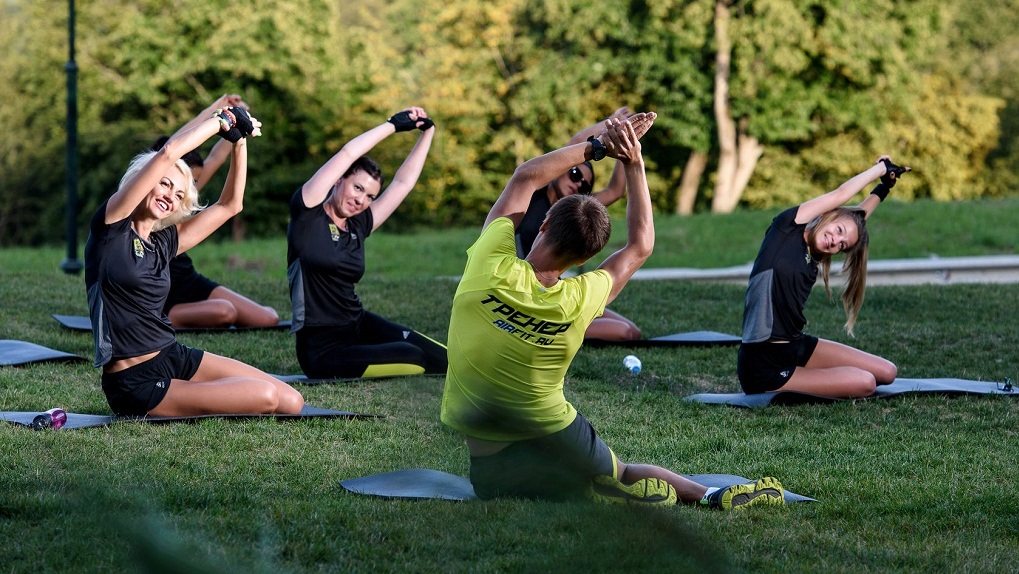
(424,483)
(899,387)
(691,339)
(80,323)
(13,353)
(78,420)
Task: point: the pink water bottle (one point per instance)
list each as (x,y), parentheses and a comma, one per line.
(51,419)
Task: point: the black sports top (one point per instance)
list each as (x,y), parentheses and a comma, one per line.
(127,280)
(324,263)
(527,230)
(780,282)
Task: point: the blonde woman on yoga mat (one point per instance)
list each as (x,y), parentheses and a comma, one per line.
(775,353)
(154,216)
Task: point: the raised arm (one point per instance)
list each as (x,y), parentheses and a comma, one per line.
(616,187)
(596,129)
(131,192)
(231,201)
(640,229)
(406,177)
(535,172)
(843,193)
(316,189)
(215,160)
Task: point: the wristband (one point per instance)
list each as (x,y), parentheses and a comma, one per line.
(881,191)
(597,148)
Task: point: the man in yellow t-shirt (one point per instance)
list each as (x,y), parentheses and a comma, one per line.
(516,326)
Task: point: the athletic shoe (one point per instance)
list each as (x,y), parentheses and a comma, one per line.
(608,490)
(767,491)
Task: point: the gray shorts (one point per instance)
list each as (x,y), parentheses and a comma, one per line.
(558,466)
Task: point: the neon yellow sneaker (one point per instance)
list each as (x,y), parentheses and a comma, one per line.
(767,490)
(608,490)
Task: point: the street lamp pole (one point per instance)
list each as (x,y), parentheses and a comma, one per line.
(71,265)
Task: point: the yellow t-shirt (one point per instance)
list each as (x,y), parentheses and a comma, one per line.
(511,341)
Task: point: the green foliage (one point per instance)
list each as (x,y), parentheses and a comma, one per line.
(825,88)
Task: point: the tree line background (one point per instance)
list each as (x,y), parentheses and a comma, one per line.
(761,102)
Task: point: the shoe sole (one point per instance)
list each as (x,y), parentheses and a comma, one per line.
(767,491)
(655,491)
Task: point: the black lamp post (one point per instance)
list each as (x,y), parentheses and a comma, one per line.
(71,265)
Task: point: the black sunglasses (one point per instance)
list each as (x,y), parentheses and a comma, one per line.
(577,176)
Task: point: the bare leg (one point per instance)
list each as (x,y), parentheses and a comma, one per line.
(211,313)
(687,490)
(249,313)
(840,371)
(223,308)
(228,386)
(612,326)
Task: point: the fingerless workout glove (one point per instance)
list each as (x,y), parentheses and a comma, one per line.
(892,173)
(239,122)
(426,123)
(403,122)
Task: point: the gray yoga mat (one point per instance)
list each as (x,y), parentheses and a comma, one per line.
(14,353)
(78,420)
(899,387)
(424,483)
(690,339)
(303,380)
(81,323)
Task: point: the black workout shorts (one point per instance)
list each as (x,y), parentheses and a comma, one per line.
(189,288)
(139,388)
(765,367)
(558,466)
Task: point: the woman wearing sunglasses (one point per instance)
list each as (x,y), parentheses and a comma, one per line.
(579,179)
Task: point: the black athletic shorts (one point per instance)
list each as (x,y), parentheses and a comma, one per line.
(188,289)
(139,388)
(557,467)
(765,367)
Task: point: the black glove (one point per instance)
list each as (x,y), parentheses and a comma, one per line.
(426,123)
(403,122)
(892,173)
(244,123)
(239,121)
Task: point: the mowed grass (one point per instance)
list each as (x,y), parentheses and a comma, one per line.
(912,484)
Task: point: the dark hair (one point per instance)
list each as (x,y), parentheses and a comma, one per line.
(192,158)
(590,166)
(369,166)
(577,227)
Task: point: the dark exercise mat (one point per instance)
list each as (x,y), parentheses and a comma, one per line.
(303,380)
(78,420)
(423,483)
(13,352)
(691,339)
(899,387)
(80,323)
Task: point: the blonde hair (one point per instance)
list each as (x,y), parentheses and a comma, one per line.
(189,204)
(855,265)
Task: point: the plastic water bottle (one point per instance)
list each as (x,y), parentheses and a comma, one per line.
(632,364)
(51,419)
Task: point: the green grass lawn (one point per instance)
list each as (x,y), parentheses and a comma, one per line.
(911,484)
